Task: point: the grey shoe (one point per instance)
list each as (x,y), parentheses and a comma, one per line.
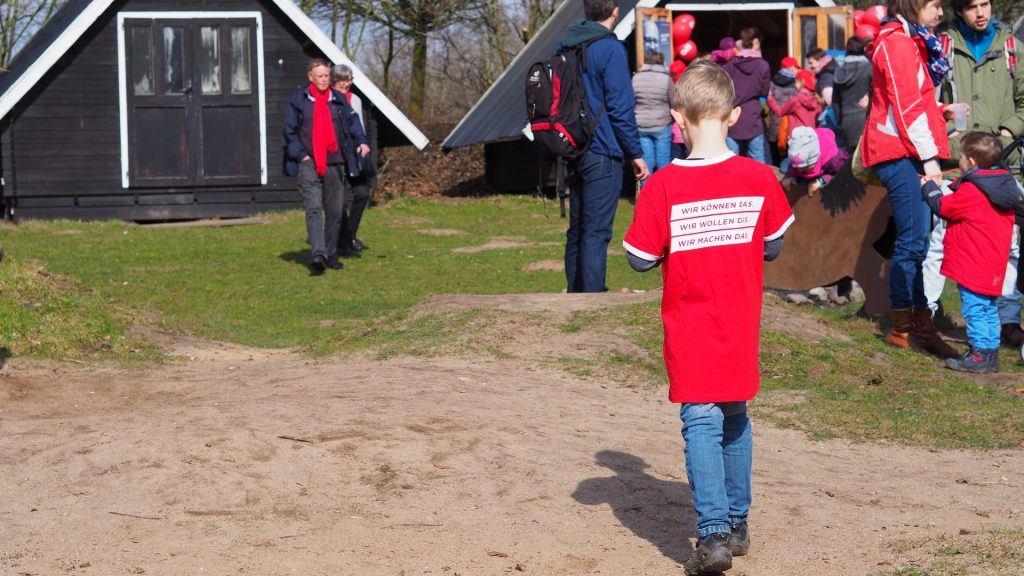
(739,540)
(976,361)
(711,556)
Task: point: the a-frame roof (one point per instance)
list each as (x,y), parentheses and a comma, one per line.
(76,17)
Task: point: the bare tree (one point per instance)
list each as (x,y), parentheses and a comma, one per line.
(19,19)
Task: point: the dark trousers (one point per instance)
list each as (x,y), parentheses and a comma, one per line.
(357,198)
(593,199)
(322,200)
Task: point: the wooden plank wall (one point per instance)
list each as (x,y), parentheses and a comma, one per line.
(61,144)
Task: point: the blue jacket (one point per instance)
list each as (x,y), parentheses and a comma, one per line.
(298,143)
(608,85)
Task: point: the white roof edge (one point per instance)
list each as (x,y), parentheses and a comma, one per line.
(331,50)
(95,9)
(52,54)
(702,7)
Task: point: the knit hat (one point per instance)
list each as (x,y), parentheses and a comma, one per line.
(789,62)
(804,148)
(807,77)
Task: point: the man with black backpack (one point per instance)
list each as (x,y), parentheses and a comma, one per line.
(596,182)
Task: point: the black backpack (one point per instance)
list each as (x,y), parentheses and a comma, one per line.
(556,106)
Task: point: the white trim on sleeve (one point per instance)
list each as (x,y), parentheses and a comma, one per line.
(639,253)
(782,229)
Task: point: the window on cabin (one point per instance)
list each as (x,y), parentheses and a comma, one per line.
(241,83)
(142,60)
(174,60)
(209,59)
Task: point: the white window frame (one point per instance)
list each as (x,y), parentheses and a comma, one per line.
(122,76)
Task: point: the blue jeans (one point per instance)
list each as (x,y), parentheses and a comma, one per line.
(657,147)
(913,221)
(753,148)
(719,456)
(593,199)
(982,319)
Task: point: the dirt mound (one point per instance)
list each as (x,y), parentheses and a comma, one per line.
(233,459)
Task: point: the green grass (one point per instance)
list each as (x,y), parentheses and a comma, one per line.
(993,553)
(73,290)
(250,285)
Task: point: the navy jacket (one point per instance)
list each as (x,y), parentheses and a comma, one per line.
(298,143)
(608,85)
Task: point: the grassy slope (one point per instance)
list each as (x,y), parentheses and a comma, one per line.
(249,285)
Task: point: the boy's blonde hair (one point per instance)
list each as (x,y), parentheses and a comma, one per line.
(704,91)
(985,149)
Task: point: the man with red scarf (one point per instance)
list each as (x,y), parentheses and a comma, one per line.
(322,135)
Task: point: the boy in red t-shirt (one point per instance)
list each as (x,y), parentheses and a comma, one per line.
(980,214)
(710,221)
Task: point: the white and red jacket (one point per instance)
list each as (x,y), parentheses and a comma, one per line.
(904,120)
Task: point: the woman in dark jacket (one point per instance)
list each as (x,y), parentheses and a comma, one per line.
(751,77)
(850,92)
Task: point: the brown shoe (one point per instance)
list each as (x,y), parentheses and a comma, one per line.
(1012,335)
(925,337)
(899,333)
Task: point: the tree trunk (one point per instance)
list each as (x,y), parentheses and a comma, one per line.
(418,85)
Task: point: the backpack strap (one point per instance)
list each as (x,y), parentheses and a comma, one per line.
(1010,50)
(947,49)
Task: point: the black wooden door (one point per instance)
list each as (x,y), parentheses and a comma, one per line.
(192,99)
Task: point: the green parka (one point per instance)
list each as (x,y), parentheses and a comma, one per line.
(996,96)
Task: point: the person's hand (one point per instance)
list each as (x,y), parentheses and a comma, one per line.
(1005,132)
(863,102)
(932,172)
(363,150)
(304,158)
(947,112)
(813,187)
(640,169)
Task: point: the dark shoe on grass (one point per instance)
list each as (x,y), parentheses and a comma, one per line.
(318,264)
(1012,335)
(711,556)
(739,540)
(333,264)
(358,245)
(976,361)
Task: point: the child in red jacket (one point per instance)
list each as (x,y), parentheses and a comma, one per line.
(802,109)
(979,213)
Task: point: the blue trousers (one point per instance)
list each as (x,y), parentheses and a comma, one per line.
(657,147)
(593,199)
(719,456)
(982,319)
(753,148)
(913,221)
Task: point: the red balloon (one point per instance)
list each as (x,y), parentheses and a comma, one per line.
(858,17)
(874,15)
(866,31)
(682,28)
(687,50)
(677,68)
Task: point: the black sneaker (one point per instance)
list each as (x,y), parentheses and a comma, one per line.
(976,361)
(739,540)
(333,264)
(318,264)
(711,556)
(358,245)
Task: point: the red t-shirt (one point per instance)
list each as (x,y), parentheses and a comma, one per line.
(707,221)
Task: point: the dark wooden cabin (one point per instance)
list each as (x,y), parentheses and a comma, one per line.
(163,109)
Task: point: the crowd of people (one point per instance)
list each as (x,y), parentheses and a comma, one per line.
(905,106)
(809,121)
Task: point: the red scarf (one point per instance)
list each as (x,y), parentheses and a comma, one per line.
(324,140)
(348,97)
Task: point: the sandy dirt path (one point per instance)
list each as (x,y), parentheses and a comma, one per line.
(241,461)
